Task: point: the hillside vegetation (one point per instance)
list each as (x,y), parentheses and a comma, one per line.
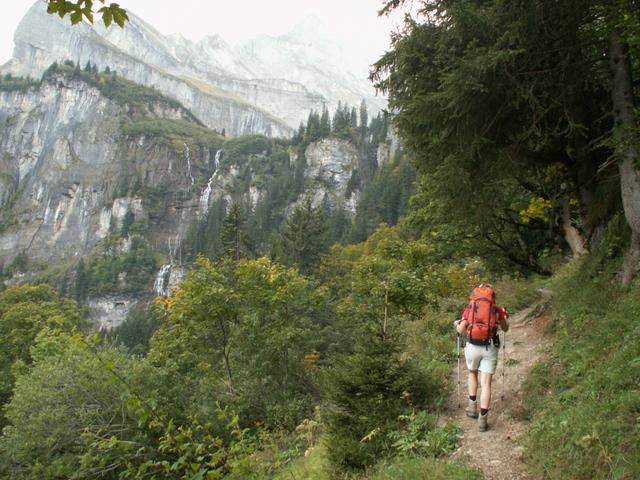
(324,350)
(583,401)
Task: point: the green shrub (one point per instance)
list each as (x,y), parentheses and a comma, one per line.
(366,394)
(421,468)
(420,434)
(9,83)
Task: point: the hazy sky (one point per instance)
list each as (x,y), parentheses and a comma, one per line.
(356,21)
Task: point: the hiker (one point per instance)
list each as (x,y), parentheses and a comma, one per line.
(480,322)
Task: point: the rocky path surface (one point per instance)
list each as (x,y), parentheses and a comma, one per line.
(498,453)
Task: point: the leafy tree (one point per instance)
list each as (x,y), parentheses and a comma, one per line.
(75,393)
(240,331)
(24,311)
(490,97)
(381,285)
(276,330)
(194,337)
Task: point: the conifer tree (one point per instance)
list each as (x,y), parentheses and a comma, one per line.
(353,120)
(325,123)
(364,120)
(304,237)
(365,393)
(235,240)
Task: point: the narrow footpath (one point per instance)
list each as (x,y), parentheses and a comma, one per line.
(498,453)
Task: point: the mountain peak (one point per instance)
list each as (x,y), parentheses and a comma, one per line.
(310,29)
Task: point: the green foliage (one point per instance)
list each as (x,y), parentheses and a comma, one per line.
(421,468)
(18,264)
(137,330)
(242,331)
(83,9)
(241,148)
(421,435)
(25,310)
(9,83)
(583,400)
(123,91)
(384,199)
(193,450)
(76,392)
(365,393)
(235,240)
(204,238)
(304,237)
(108,271)
(476,130)
(173,131)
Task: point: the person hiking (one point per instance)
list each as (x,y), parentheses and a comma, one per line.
(479,323)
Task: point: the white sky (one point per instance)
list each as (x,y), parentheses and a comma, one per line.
(356,21)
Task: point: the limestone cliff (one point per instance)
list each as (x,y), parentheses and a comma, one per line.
(95,168)
(267,86)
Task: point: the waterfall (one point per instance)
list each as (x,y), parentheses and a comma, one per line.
(158,286)
(187,156)
(206,192)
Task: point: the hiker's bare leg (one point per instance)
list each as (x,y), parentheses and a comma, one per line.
(473,382)
(485,395)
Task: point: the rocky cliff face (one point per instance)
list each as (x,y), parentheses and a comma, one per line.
(267,86)
(77,166)
(330,166)
(64,161)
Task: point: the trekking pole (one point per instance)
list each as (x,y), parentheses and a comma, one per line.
(504,362)
(458,350)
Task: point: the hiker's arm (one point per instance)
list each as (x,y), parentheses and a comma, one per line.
(504,323)
(461,325)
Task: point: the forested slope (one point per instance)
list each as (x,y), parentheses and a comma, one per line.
(305,360)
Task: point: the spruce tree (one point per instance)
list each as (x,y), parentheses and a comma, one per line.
(235,240)
(304,237)
(353,120)
(365,393)
(325,123)
(364,121)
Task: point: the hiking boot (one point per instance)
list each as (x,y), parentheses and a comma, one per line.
(483,426)
(472,409)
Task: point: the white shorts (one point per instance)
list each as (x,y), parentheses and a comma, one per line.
(481,357)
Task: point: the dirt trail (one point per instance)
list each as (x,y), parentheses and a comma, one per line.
(497,453)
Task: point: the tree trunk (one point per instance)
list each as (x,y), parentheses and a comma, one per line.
(226,350)
(626,149)
(571,234)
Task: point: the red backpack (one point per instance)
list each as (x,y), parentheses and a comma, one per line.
(482,322)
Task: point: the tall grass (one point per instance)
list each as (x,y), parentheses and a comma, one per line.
(584,401)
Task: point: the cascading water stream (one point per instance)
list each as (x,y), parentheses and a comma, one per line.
(187,156)
(159,285)
(216,161)
(206,192)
